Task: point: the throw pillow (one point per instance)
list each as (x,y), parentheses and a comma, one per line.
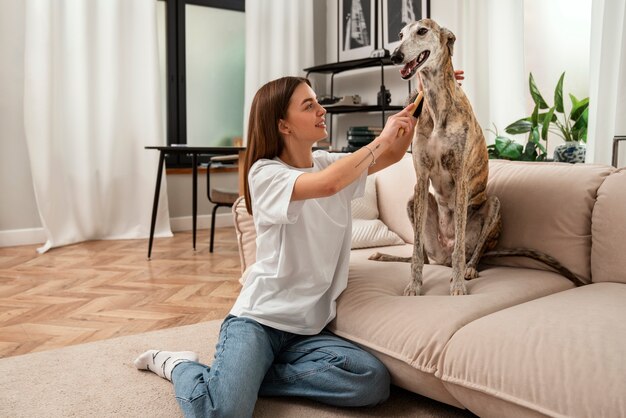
(367,230)
(368,233)
(366,207)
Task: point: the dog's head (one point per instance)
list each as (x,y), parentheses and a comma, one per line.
(423,45)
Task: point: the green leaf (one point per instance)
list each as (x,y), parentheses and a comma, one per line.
(573,99)
(530,152)
(507,148)
(558,95)
(541,147)
(534,92)
(546,122)
(579,108)
(541,117)
(580,127)
(534,135)
(519,127)
(534,118)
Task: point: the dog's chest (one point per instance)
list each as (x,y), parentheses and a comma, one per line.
(439,160)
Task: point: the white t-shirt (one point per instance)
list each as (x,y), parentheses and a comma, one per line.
(303,249)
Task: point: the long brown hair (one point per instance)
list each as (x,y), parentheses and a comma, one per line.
(269,105)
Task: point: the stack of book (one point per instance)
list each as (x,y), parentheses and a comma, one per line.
(359,136)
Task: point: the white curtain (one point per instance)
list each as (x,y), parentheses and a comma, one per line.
(607,74)
(491,52)
(279,42)
(91,104)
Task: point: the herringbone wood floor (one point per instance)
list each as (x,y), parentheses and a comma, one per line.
(102,289)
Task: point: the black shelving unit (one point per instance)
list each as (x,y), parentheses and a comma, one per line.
(339,67)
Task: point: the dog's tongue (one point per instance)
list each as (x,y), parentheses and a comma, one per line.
(406,70)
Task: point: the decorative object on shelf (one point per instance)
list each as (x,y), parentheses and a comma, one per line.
(359,136)
(572,127)
(398,13)
(387,97)
(357,36)
(352,100)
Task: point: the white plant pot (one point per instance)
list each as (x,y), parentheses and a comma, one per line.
(570,152)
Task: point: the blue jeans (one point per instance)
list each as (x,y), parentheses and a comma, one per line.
(252,359)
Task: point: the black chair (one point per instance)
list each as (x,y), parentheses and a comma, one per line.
(219,197)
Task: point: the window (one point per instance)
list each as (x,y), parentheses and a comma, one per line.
(202,53)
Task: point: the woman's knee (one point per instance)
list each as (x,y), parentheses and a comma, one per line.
(376,390)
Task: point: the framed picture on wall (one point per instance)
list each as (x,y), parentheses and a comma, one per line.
(396,14)
(356,29)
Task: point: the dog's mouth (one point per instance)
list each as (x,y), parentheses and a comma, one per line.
(411,67)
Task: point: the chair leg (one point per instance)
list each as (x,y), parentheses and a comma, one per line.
(213,227)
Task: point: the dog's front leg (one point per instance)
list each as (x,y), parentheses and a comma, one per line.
(457,285)
(420,207)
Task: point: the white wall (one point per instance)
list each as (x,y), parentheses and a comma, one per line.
(179,194)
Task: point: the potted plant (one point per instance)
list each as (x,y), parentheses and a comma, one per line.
(572,126)
(507,149)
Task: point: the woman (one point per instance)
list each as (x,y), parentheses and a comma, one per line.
(274,341)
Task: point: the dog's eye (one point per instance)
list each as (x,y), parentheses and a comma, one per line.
(422,31)
(400,35)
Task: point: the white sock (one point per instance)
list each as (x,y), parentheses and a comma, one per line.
(163,362)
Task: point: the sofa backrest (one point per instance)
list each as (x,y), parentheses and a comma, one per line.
(544,206)
(547,207)
(246,233)
(608,230)
(394,188)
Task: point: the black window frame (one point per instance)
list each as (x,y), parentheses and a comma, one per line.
(176,114)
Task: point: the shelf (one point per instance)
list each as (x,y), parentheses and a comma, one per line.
(355,109)
(338,67)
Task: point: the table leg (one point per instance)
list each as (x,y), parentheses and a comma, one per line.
(155,205)
(194,193)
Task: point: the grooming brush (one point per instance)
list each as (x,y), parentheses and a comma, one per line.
(417,111)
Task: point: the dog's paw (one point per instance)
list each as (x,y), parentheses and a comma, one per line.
(458,288)
(471,273)
(412,290)
(375,257)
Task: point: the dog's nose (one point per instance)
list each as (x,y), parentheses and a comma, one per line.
(397,57)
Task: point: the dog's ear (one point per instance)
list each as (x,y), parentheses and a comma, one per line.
(449,38)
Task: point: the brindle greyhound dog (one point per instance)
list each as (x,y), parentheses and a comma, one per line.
(450,152)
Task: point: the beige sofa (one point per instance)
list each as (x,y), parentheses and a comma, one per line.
(525,341)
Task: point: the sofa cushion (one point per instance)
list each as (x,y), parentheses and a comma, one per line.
(367,230)
(373,312)
(394,188)
(367,233)
(608,231)
(366,206)
(547,207)
(561,355)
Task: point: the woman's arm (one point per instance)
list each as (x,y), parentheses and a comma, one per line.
(389,147)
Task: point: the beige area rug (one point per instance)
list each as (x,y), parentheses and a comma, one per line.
(98,379)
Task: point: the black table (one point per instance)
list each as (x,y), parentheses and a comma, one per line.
(194,152)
